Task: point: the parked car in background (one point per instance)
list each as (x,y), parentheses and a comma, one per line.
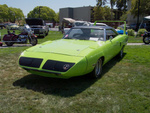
(13,27)
(2,25)
(75,23)
(81,23)
(133,26)
(38,26)
(145,26)
(98,24)
(122,26)
(65,30)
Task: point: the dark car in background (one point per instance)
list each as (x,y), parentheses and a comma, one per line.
(38,26)
(133,26)
(122,26)
(2,25)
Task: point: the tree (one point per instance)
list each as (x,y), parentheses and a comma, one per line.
(43,12)
(15,14)
(103,2)
(144,7)
(112,3)
(10,14)
(121,5)
(102,13)
(4,12)
(56,18)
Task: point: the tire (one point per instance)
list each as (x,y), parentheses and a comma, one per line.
(146,40)
(46,33)
(33,41)
(9,43)
(96,73)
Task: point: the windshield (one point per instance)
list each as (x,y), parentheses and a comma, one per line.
(85,34)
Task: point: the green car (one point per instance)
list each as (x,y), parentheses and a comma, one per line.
(83,50)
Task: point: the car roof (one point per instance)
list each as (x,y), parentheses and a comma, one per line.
(94,27)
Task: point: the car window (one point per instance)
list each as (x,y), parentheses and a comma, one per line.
(85,34)
(110,33)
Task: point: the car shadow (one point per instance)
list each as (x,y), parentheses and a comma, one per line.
(111,63)
(61,87)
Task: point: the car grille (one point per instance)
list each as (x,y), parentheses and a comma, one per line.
(36,31)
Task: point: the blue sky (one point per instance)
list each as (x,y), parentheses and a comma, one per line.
(27,5)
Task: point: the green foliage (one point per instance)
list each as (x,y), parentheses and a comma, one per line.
(56,18)
(121,5)
(101,2)
(144,7)
(130,32)
(4,10)
(10,14)
(124,16)
(120,28)
(102,13)
(43,12)
(141,31)
(132,39)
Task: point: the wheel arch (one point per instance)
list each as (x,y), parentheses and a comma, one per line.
(103,59)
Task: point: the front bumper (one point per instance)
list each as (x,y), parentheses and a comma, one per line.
(53,65)
(39,32)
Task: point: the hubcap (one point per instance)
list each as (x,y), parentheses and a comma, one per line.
(98,68)
(121,53)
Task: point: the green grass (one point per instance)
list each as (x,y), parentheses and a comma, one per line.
(132,39)
(124,86)
(53,35)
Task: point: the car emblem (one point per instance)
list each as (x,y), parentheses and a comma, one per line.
(66,66)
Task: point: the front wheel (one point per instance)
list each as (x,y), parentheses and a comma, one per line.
(96,73)
(33,41)
(146,40)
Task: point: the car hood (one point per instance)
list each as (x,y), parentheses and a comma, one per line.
(34,21)
(67,47)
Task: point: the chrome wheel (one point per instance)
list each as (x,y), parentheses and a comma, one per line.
(121,53)
(98,69)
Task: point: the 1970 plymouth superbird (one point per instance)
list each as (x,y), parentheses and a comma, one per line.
(84,49)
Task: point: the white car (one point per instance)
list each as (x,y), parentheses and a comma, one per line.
(98,24)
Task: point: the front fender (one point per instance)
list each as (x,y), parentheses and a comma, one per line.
(92,59)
